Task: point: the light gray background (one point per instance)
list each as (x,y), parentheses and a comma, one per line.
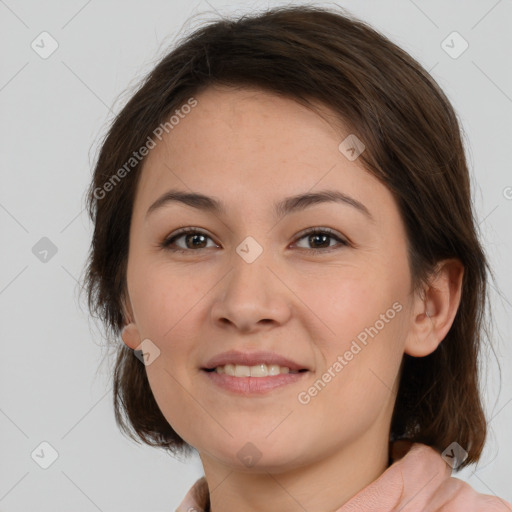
(54,112)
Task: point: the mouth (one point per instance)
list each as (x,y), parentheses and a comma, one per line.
(252,381)
(258,371)
(252,373)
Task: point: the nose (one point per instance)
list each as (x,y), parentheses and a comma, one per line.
(252,296)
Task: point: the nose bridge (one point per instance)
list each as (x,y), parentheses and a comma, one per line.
(250,275)
(251,293)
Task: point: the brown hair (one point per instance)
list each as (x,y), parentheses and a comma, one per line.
(413,146)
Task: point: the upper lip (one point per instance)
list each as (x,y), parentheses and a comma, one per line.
(252,359)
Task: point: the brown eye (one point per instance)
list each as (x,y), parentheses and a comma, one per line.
(320,239)
(193,239)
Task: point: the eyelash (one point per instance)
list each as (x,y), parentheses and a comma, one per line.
(166,244)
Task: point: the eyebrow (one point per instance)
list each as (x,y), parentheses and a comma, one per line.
(284,207)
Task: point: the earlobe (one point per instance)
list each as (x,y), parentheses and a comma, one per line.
(435,311)
(130,335)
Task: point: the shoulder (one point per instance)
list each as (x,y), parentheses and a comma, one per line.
(420,479)
(443,492)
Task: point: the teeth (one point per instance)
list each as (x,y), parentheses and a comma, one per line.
(260,370)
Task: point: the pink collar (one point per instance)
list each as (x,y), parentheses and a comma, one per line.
(418,475)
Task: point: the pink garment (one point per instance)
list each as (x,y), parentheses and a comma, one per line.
(419,480)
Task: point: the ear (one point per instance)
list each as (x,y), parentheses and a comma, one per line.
(130,333)
(435,309)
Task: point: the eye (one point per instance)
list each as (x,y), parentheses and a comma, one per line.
(195,238)
(321,236)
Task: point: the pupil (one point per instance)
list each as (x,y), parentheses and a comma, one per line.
(313,237)
(194,236)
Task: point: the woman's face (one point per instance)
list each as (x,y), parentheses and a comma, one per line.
(252,279)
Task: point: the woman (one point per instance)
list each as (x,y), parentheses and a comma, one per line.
(284,238)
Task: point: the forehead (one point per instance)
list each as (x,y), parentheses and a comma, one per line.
(251,147)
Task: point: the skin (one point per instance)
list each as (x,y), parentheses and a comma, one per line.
(250,148)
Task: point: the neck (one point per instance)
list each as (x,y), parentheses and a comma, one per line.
(322,485)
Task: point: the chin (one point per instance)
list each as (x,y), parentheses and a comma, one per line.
(248,454)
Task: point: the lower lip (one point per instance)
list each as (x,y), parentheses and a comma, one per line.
(253,385)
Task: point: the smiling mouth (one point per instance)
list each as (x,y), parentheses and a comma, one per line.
(252,381)
(259,370)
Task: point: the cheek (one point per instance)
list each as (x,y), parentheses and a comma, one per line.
(356,390)
(361,354)
(164,297)
(349,303)
(168,303)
